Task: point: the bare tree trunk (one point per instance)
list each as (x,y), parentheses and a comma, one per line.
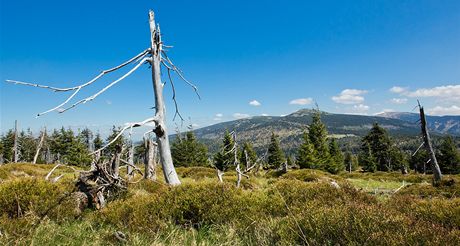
(149,160)
(40,144)
(116,161)
(130,170)
(160,130)
(437,176)
(16,145)
(220,175)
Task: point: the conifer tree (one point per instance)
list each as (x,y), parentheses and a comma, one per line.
(248,155)
(335,163)
(418,162)
(350,162)
(98,142)
(318,138)
(306,153)
(276,156)
(225,157)
(188,152)
(8,142)
(448,156)
(379,143)
(366,158)
(27,145)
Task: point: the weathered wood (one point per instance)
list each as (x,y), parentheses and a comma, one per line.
(437,176)
(40,145)
(129,168)
(160,130)
(116,160)
(149,159)
(16,143)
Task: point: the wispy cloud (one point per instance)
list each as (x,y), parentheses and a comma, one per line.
(264,114)
(240,115)
(218,117)
(445,93)
(301,101)
(254,103)
(398,89)
(399,100)
(350,96)
(438,110)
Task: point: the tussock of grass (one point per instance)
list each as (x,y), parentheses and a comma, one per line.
(300,207)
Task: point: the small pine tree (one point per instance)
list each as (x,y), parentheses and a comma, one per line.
(366,159)
(188,152)
(379,143)
(225,157)
(448,156)
(98,142)
(335,164)
(306,153)
(250,153)
(8,143)
(350,162)
(318,138)
(276,156)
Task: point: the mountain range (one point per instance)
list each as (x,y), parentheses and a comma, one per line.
(345,127)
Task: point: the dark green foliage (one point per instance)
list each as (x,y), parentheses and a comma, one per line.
(8,143)
(448,156)
(225,157)
(247,155)
(98,142)
(188,152)
(306,153)
(69,148)
(276,156)
(366,159)
(318,138)
(86,137)
(379,143)
(27,146)
(111,149)
(335,164)
(418,162)
(398,160)
(350,162)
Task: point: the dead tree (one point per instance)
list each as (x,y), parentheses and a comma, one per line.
(437,176)
(16,143)
(130,167)
(156,56)
(39,146)
(149,159)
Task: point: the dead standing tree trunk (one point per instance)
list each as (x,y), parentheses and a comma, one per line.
(149,159)
(16,143)
(40,145)
(160,130)
(437,176)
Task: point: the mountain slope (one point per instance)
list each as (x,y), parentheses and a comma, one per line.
(442,124)
(257,130)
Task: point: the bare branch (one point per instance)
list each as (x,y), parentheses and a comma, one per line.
(179,72)
(56,89)
(128,126)
(107,87)
(177,113)
(52,170)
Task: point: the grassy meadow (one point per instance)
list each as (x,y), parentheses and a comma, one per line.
(301,207)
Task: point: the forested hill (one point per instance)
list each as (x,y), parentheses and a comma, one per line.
(258,129)
(449,124)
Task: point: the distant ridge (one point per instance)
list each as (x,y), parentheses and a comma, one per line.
(257,129)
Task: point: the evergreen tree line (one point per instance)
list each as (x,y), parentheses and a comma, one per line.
(317,150)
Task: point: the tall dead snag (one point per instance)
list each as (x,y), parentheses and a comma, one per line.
(160,130)
(149,159)
(130,167)
(437,176)
(156,56)
(39,146)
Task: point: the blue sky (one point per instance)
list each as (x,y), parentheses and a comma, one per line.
(360,57)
